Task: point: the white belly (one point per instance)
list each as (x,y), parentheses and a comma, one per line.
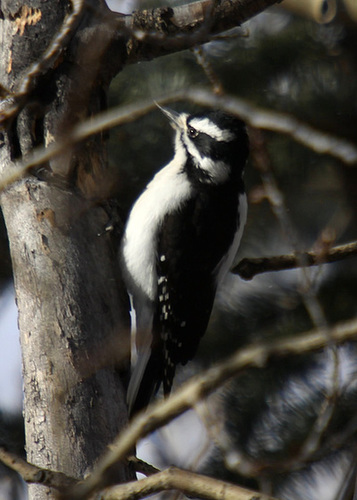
(163,195)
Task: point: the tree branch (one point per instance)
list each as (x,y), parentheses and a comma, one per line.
(249,267)
(187,482)
(319,141)
(142,467)
(165,30)
(33,474)
(160,413)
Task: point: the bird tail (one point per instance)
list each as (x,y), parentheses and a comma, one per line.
(144,376)
(151,360)
(152,368)
(144,382)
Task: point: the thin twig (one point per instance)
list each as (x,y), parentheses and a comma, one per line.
(187,482)
(247,268)
(261,160)
(160,413)
(142,467)
(202,60)
(318,141)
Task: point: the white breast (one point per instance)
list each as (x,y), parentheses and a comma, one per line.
(164,194)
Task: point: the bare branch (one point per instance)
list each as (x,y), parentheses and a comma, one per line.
(171,478)
(261,160)
(165,30)
(318,141)
(142,467)
(160,413)
(187,482)
(33,474)
(216,84)
(248,268)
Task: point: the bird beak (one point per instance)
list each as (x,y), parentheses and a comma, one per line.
(176,119)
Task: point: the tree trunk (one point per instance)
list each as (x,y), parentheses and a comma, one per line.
(72,313)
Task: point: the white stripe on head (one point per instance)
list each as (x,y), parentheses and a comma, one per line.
(206,126)
(218,171)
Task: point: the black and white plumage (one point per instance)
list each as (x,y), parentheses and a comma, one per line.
(180,239)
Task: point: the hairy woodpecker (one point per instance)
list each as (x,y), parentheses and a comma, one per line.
(180,239)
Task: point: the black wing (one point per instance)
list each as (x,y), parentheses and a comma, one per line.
(191,246)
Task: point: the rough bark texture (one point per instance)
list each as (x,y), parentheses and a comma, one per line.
(169,29)
(69,319)
(72,315)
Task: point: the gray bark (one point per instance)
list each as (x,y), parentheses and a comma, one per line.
(72,313)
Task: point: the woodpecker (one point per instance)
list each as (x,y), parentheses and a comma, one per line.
(179,242)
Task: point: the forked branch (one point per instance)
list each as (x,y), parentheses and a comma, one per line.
(169,479)
(186,482)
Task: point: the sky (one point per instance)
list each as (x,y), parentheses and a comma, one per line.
(10,366)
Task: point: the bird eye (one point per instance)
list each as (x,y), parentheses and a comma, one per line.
(192,132)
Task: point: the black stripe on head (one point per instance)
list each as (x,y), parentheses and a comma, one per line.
(220,136)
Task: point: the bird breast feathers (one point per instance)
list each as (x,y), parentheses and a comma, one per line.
(164,194)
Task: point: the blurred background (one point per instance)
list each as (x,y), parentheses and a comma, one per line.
(288,429)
